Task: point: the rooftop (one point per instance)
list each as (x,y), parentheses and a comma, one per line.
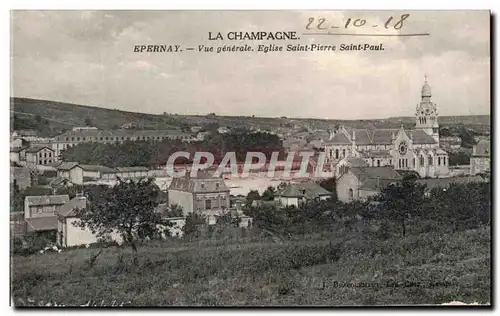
(308,190)
(47,200)
(204,182)
(41,223)
(68,209)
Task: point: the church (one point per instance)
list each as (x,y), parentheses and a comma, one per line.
(414,149)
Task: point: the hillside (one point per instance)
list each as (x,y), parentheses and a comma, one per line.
(339,269)
(60,116)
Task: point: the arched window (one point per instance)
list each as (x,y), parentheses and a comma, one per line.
(422,162)
(430,160)
(343,152)
(413,165)
(378,162)
(439,161)
(351,194)
(336,154)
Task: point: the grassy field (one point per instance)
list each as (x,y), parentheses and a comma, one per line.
(345,268)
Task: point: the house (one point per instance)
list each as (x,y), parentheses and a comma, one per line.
(69,234)
(79,173)
(359,183)
(40,212)
(205,194)
(15,154)
(21,177)
(294,194)
(68,170)
(40,155)
(480,159)
(43,206)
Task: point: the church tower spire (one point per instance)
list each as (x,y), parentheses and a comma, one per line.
(426,114)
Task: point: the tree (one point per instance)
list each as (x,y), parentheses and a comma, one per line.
(268,194)
(401,201)
(88,121)
(175,211)
(252,196)
(193,222)
(127,208)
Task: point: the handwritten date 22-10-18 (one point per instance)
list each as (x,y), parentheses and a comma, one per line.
(323,24)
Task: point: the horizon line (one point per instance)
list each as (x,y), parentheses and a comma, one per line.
(234,115)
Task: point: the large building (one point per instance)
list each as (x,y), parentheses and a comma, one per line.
(73,138)
(405,149)
(204,194)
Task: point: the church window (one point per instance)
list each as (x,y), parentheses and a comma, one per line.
(336,154)
(439,161)
(430,160)
(422,160)
(351,194)
(343,152)
(378,162)
(413,165)
(444,161)
(399,163)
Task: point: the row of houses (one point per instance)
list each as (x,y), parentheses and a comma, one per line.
(76,173)
(26,146)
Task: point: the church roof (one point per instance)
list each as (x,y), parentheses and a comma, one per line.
(356,162)
(420,137)
(379,137)
(339,139)
(375,153)
(365,173)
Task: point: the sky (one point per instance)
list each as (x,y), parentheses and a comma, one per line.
(87,57)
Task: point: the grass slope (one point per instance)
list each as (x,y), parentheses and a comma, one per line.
(65,115)
(436,268)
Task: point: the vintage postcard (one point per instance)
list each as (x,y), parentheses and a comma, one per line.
(250,158)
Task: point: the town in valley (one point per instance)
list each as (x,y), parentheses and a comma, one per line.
(253,178)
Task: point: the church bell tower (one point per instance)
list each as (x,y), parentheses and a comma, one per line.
(426,113)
